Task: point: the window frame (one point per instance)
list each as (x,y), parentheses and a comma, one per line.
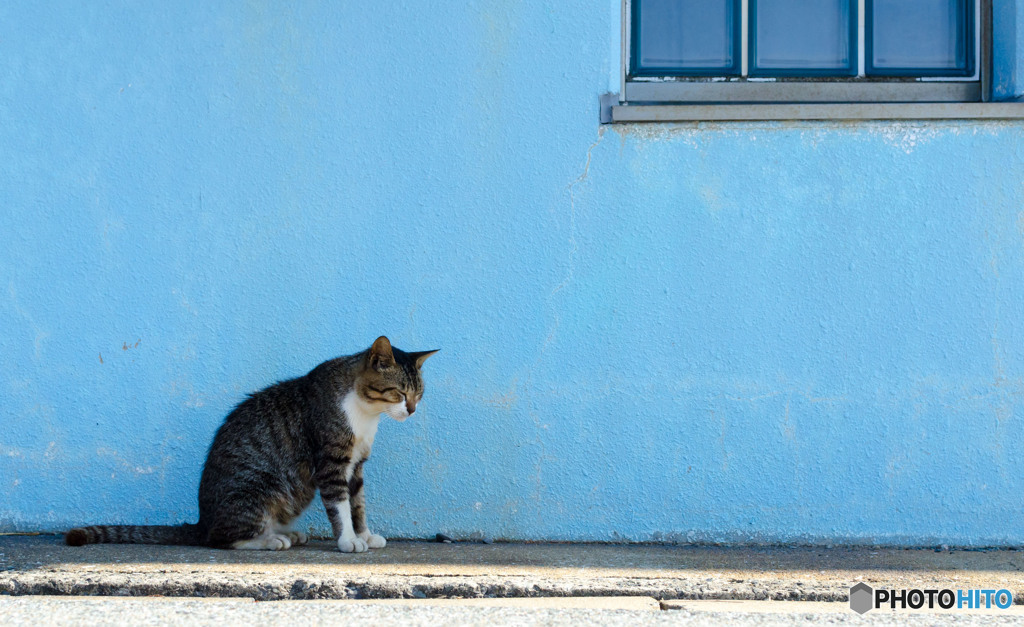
(644,97)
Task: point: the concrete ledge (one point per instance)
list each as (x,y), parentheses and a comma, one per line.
(845,111)
(419,570)
(815,607)
(559,603)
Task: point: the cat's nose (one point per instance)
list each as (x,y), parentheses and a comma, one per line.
(410,406)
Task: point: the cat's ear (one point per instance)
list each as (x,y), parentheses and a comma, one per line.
(381,356)
(422,357)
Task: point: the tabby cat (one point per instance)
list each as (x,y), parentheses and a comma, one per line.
(282,444)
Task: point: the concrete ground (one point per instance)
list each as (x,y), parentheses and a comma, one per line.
(551,583)
(640,611)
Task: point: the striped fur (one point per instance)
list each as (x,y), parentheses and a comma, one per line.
(133,534)
(281,445)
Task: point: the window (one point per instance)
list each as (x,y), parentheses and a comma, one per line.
(920,38)
(807,53)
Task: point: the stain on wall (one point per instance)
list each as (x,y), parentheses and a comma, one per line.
(756,332)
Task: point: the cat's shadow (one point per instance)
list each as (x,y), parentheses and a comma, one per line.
(421,557)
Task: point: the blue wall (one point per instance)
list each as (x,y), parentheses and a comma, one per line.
(742,332)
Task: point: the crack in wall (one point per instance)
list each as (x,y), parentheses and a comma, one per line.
(571,187)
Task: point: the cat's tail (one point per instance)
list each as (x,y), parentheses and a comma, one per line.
(186,534)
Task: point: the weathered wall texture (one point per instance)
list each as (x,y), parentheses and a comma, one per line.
(740,332)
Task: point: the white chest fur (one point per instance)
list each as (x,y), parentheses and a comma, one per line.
(363,421)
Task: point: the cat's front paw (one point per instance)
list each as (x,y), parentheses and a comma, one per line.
(372,540)
(352,545)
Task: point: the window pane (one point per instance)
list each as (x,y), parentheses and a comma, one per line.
(802,37)
(918,34)
(686,35)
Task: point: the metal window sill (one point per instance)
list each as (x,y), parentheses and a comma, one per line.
(832,111)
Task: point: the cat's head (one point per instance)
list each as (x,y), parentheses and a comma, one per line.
(391,379)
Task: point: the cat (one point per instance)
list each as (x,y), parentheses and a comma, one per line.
(281,445)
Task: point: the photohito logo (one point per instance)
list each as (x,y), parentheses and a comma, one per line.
(863,598)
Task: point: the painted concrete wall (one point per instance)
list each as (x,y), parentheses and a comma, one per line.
(743,332)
